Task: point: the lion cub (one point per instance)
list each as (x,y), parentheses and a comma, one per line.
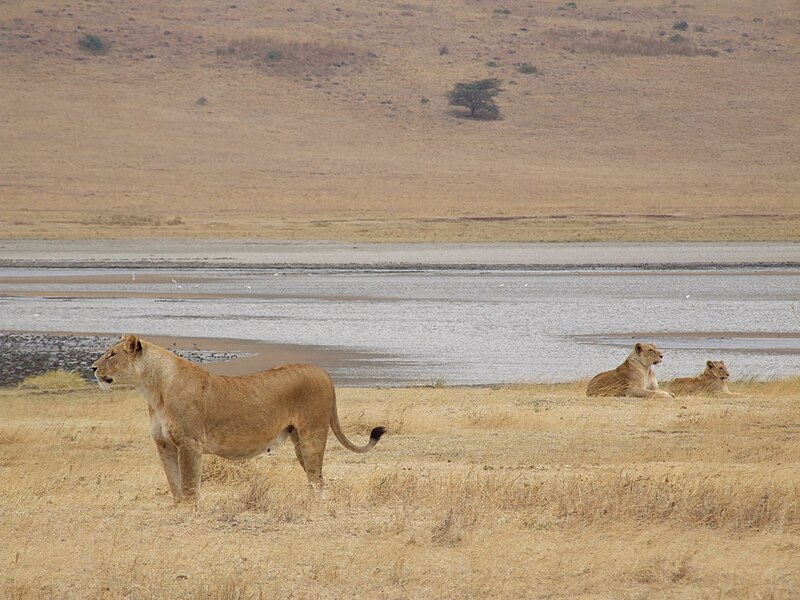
(635,377)
(712,381)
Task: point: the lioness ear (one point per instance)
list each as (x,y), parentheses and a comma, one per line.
(638,348)
(710,364)
(132,344)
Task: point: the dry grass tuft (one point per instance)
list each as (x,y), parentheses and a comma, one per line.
(278,499)
(699,501)
(446,532)
(54,381)
(664,569)
(219,470)
(779,388)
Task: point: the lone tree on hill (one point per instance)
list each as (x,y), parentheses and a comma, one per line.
(477,96)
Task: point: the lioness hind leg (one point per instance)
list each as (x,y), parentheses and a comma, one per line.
(296,444)
(311,447)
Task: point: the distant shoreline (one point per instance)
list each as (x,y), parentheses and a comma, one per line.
(169,254)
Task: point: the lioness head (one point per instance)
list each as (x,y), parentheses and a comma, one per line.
(648,354)
(718,369)
(116,365)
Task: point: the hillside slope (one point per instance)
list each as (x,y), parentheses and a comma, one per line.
(319,120)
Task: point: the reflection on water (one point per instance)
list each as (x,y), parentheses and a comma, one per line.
(461,327)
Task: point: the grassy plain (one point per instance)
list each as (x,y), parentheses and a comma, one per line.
(319,120)
(522,491)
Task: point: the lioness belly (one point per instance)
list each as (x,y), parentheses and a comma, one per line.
(235,448)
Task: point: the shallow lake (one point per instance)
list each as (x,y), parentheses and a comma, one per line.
(451,326)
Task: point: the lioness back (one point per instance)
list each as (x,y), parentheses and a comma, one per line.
(289,388)
(608,383)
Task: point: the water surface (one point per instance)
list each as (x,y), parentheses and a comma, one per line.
(457,326)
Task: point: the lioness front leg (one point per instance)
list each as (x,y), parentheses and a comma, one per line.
(643,393)
(190,456)
(168,453)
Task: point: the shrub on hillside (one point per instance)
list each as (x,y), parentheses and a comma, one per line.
(527,69)
(93,44)
(477,96)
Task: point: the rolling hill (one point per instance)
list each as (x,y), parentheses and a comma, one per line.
(620,120)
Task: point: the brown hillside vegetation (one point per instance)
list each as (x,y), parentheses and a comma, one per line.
(634,119)
(514,492)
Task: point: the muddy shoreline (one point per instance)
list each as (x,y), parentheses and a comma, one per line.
(32,353)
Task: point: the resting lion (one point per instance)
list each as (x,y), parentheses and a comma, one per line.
(193,412)
(635,377)
(712,381)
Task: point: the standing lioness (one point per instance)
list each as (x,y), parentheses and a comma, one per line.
(635,377)
(193,412)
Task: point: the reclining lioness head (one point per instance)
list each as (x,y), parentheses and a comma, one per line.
(117,364)
(648,354)
(194,412)
(718,369)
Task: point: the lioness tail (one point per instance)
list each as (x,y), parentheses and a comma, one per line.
(374,435)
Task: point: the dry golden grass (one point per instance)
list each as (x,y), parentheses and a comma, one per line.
(330,121)
(520,491)
(54,381)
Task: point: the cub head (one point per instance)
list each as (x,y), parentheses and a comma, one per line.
(718,369)
(116,365)
(648,354)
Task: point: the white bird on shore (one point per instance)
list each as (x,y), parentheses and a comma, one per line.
(133,276)
(687,296)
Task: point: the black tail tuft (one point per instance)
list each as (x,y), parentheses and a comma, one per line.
(376,434)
